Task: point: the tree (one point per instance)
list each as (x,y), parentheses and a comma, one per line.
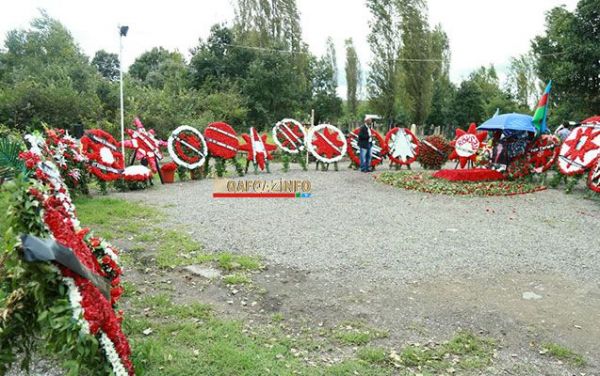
(326,103)
(385,42)
(107,64)
(353,78)
(151,62)
(262,22)
(417,70)
(468,104)
(569,54)
(46,78)
(523,82)
(443,90)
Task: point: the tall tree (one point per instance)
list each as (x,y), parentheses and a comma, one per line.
(326,103)
(45,77)
(569,54)
(331,60)
(417,69)
(443,90)
(522,80)
(107,64)
(385,43)
(353,78)
(262,22)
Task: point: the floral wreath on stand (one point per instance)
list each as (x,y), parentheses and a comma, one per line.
(594,177)
(580,149)
(543,153)
(466,145)
(378,149)
(289,135)
(258,149)
(102,150)
(86,273)
(66,154)
(145,144)
(403,146)
(328,146)
(187,147)
(223,144)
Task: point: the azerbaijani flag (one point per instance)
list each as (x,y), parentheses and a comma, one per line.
(541,112)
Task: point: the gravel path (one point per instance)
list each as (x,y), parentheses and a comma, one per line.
(353,224)
(523,269)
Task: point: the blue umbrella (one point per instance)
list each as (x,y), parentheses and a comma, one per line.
(513,122)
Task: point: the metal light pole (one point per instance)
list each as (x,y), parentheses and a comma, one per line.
(122,33)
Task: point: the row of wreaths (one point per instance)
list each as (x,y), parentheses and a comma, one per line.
(189,148)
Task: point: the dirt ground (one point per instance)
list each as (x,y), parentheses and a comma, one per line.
(543,291)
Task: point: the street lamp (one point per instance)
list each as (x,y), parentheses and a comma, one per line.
(122,33)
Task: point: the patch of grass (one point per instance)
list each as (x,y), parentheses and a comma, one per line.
(277,317)
(356,333)
(176,249)
(113,218)
(425,182)
(372,355)
(129,289)
(229,261)
(236,279)
(354,367)
(181,345)
(4,204)
(465,351)
(161,306)
(562,353)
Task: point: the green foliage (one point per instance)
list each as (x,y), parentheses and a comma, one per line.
(353,78)
(107,64)
(285,159)
(35,305)
(10,164)
(220,168)
(46,78)
(568,54)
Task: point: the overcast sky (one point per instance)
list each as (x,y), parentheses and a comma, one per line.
(481,32)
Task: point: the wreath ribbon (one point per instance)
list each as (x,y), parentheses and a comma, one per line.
(38,250)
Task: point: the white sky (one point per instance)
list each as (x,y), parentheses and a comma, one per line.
(481,32)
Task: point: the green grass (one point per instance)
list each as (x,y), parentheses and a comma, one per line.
(116,219)
(372,355)
(562,353)
(113,218)
(357,333)
(236,279)
(468,351)
(229,261)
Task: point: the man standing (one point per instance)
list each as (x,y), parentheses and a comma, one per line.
(365,141)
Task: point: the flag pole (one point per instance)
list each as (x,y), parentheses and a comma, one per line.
(122,32)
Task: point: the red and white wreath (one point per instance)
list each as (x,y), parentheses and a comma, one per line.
(91,309)
(594,177)
(145,144)
(378,149)
(222,141)
(543,153)
(102,150)
(326,143)
(257,147)
(580,150)
(467,144)
(403,146)
(289,135)
(187,147)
